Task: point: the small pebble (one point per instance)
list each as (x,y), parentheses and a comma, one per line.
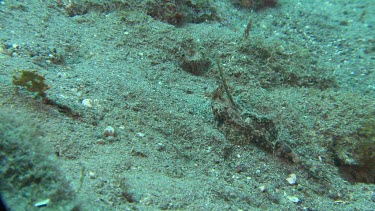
(87,103)
(109,131)
(293,199)
(292,179)
(92,175)
(262,188)
(139,134)
(42,203)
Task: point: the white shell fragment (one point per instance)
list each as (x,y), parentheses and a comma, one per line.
(109,131)
(292,179)
(262,188)
(87,103)
(140,134)
(42,203)
(92,175)
(293,199)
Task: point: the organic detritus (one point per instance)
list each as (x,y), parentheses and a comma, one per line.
(32,81)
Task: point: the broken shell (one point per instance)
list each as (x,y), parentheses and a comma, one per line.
(292,179)
(92,175)
(42,203)
(87,103)
(262,188)
(293,199)
(109,131)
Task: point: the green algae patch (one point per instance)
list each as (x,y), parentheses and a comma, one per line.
(32,81)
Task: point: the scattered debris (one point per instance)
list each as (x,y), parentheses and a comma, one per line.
(92,175)
(292,179)
(42,203)
(32,81)
(294,199)
(87,103)
(262,188)
(109,131)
